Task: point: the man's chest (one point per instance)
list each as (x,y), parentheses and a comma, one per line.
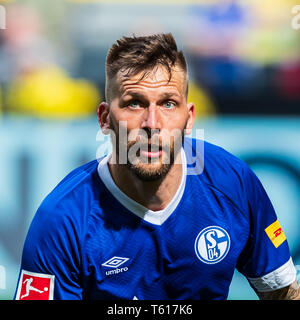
(192,255)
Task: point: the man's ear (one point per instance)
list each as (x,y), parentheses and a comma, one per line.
(103,117)
(191,118)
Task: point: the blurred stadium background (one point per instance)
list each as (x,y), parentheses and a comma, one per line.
(244,59)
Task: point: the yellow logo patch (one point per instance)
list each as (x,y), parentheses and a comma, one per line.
(275,233)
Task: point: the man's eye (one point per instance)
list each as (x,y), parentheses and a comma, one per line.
(134,105)
(169,104)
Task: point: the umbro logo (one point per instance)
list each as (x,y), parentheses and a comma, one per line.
(114,263)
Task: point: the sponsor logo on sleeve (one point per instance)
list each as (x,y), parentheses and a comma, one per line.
(275,233)
(35,286)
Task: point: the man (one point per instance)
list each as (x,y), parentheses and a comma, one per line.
(147,222)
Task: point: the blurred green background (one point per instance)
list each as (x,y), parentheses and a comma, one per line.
(244,64)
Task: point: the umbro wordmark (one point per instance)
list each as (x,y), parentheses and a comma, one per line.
(114,263)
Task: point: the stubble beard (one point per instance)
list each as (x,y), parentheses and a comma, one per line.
(149,169)
(152,169)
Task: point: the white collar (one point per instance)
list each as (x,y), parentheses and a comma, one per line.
(154,217)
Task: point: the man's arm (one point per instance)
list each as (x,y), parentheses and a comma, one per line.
(51,251)
(291,292)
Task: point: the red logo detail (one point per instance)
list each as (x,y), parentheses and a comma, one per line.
(35,286)
(277,232)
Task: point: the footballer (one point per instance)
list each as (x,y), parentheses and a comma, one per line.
(158,217)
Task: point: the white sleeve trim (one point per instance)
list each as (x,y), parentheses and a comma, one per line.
(277,279)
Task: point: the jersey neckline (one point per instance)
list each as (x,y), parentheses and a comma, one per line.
(154,217)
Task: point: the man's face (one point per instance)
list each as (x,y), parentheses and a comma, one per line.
(154,115)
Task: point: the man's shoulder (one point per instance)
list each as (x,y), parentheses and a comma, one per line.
(214,156)
(223,172)
(75,181)
(73,195)
(61,220)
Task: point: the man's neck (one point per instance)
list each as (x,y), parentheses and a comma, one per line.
(154,195)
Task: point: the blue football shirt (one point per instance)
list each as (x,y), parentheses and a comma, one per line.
(89,240)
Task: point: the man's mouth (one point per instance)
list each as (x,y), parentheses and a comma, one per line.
(151,154)
(154,152)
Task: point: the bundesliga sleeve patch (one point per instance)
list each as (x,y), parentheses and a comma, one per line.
(35,286)
(275,233)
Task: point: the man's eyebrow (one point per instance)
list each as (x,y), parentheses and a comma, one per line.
(168,95)
(134,95)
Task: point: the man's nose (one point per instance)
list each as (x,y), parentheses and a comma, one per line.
(152,118)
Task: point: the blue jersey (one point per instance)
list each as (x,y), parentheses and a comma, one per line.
(89,240)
